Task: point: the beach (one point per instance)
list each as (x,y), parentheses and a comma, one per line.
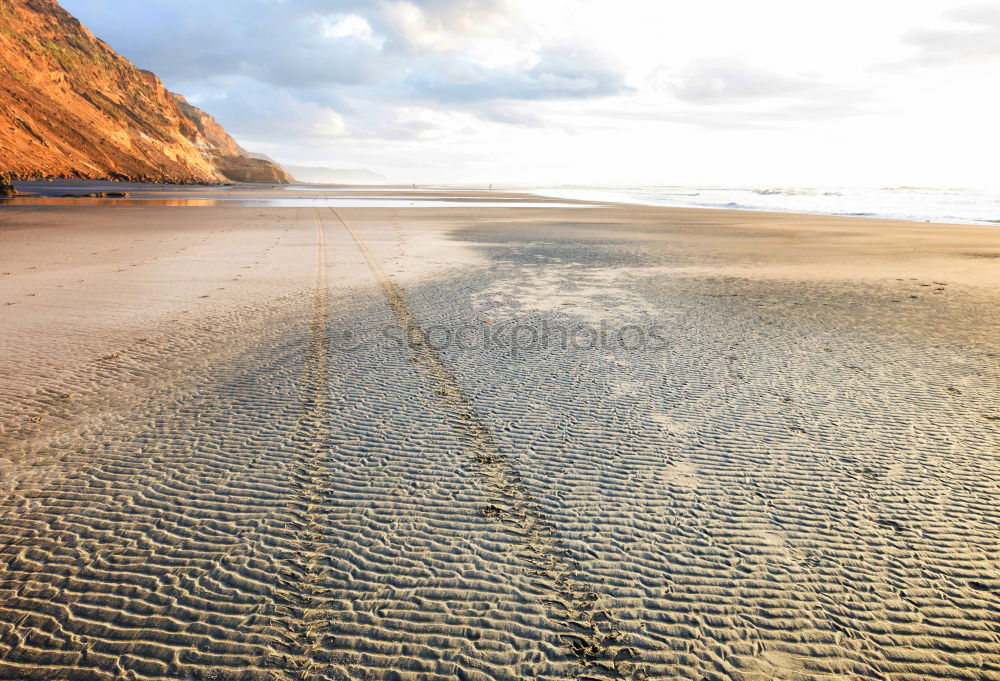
(457,434)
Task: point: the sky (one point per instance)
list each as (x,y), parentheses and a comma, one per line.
(719,92)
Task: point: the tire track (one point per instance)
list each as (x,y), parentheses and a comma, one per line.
(299,624)
(596,640)
(155,576)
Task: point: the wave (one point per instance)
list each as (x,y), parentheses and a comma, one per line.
(900,203)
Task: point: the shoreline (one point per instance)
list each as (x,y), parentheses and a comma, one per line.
(34,191)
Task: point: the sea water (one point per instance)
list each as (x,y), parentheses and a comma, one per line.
(903,203)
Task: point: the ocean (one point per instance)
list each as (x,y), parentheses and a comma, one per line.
(903,203)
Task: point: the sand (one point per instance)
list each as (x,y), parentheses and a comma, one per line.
(466,442)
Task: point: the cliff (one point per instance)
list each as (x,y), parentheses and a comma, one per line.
(73,107)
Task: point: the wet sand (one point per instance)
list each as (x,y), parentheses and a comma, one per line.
(471,442)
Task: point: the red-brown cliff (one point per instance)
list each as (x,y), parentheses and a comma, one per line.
(70,106)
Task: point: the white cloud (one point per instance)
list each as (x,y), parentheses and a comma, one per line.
(728,79)
(972,34)
(349,26)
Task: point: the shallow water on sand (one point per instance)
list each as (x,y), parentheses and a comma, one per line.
(298,202)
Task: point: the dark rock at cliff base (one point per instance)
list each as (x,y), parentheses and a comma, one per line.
(7,190)
(97,195)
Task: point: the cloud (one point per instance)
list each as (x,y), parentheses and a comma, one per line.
(258,110)
(554,74)
(517,114)
(726,93)
(777,116)
(417,26)
(723,80)
(973,35)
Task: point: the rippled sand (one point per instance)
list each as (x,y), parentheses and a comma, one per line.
(496,443)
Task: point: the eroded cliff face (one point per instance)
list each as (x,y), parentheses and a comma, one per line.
(70,106)
(229,158)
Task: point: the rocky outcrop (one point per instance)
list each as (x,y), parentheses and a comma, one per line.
(246,169)
(73,107)
(7,190)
